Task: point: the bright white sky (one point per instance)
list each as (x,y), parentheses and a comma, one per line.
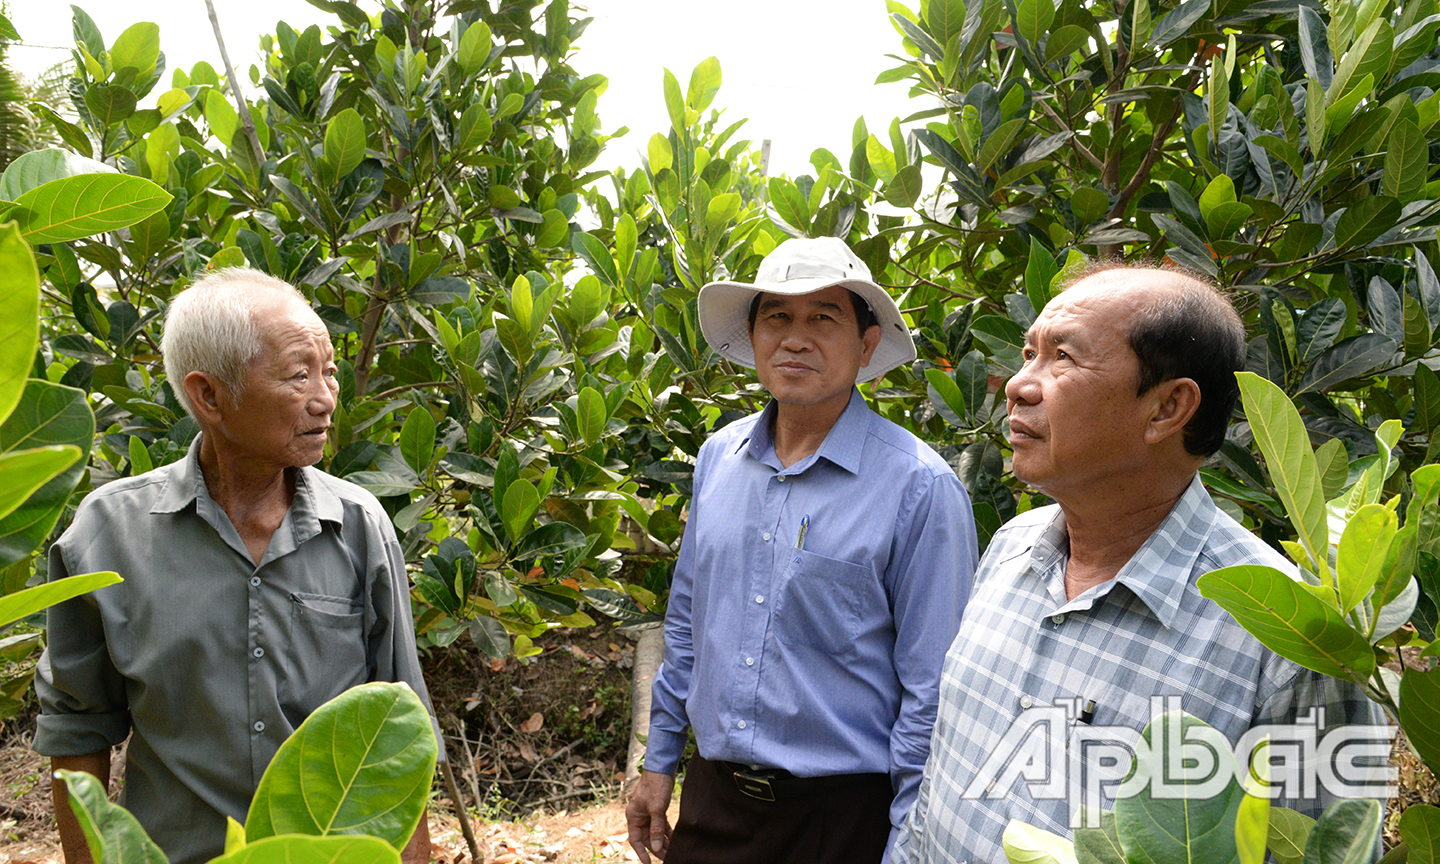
(800,70)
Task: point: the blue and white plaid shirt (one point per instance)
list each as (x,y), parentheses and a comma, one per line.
(1145,633)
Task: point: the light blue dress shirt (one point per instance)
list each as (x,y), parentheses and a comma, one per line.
(823,656)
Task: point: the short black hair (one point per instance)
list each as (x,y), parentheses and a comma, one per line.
(1191,331)
(864,315)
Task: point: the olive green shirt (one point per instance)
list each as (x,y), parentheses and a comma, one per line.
(207,660)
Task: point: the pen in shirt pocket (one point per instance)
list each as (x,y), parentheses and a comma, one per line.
(804,529)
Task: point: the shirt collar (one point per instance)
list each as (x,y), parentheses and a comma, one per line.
(1158,573)
(843,444)
(314,500)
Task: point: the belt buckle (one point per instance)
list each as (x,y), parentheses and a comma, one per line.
(758,788)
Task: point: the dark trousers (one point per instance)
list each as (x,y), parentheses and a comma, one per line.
(719,824)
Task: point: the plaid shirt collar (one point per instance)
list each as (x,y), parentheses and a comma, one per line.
(1151,573)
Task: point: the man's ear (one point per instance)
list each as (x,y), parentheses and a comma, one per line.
(870,340)
(1173,402)
(207,396)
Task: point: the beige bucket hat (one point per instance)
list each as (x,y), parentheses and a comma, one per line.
(803,266)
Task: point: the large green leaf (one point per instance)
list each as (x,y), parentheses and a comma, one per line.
(138,48)
(15,606)
(1178,21)
(48,415)
(1033,18)
(1281,437)
(1026,844)
(345,142)
(704,84)
(417,439)
(1352,358)
(19,316)
(592,414)
(1420,829)
(24,471)
(1288,831)
(1100,845)
(74,207)
(518,507)
(1407,161)
(1190,819)
(113,835)
(1290,620)
(1365,220)
(1345,834)
(292,849)
(39,167)
(1420,712)
(593,250)
(1360,557)
(361,764)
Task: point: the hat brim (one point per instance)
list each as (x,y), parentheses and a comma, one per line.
(724,312)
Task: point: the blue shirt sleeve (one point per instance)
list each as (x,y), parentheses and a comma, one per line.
(929,582)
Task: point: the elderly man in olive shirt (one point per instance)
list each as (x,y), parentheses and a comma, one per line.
(257,587)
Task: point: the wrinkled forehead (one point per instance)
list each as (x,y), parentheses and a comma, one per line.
(837,296)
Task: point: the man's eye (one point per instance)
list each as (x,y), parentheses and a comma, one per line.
(1061,355)
(1028,354)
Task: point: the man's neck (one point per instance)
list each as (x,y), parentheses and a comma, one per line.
(255,500)
(798,430)
(1105,534)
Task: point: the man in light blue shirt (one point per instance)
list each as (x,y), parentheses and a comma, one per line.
(825,563)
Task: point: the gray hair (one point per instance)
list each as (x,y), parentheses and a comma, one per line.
(210,328)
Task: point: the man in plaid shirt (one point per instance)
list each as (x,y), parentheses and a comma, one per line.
(1085,614)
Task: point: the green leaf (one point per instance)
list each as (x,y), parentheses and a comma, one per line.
(552,538)
(74,207)
(704,84)
(1033,19)
(945,396)
(660,153)
(881,160)
(109,104)
(1191,818)
(417,439)
(1040,270)
(1420,829)
(1290,620)
(1227,219)
(1251,822)
(593,250)
(592,415)
(345,142)
(15,606)
(475,126)
(113,835)
(1334,467)
(1071,38)
(1026,844)
(1352,358)
(1100,845)
(292,849)
(39,167)
(1178,21)
(383,484)
(1089,204)
(1315,123)
(1287,834)
(1361,554)
(19,316)
(1281,437)
(907,186)
(675,104)
(474,47)
(789,204)
(519,506)
(945,19)
(47,414)
(24,471)
(1360,52)
(1422,511)
(376,783)
(137,48)
(1365,220)
(1407,161)
(1420,711)
(490,636)
(1347,833)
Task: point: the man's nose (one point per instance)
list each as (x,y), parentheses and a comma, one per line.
(1022,387)
(325,397)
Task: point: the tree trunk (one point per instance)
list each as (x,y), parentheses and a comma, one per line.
(649,651)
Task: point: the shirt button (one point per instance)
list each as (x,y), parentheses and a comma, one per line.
(765,536)
(1057,619)
(259,652)
(259,725)
(781,478)
(749,661)
(1026,701)
(741,724)
(254,581)
(759,598)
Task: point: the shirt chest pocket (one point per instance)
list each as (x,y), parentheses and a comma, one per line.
(326,652)
(819,600)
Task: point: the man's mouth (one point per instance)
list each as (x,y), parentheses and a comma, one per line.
(1018,428)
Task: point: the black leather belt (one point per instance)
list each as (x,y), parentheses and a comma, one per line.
(776,784)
